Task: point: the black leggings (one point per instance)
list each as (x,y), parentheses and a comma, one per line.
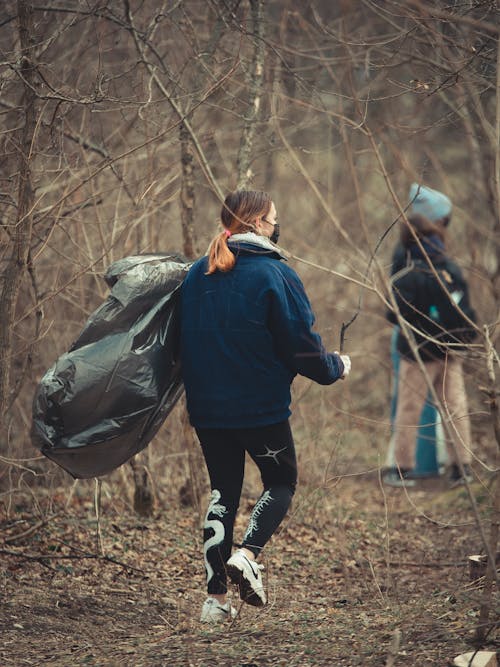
(272,449)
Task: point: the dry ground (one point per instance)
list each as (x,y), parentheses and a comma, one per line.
(353,565)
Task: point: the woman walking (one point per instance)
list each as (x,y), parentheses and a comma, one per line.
(246,332)
(434,310)
(437,208)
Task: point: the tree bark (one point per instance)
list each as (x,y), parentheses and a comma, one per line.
(143,496)
(485,609)
(20,236)
(187,194)
(245,174)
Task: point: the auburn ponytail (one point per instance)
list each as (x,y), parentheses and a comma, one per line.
(238,215)
(220,258)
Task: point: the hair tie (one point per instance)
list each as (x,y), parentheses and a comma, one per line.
(227,233)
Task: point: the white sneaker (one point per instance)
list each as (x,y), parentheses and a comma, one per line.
(398,477)
(214,612)
(246,574)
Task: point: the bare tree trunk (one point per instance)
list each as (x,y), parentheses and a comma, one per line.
(485,609)
(143,497)
(189,145)
(491,577)
(20,236)
(256,78)
(187,194)
(191,491)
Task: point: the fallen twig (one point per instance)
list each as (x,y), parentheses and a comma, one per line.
(32,529)
(394,649)
(43,557)
(394,563)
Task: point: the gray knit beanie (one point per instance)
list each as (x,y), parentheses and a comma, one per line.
(431,203)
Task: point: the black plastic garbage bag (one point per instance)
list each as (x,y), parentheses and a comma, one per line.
(104,400)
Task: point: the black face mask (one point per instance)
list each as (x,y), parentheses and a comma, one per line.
(276,233)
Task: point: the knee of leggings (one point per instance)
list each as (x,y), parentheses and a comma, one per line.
(286,488)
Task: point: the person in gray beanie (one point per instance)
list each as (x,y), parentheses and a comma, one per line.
(437,208)
(432,296)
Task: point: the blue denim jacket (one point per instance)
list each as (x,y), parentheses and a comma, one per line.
(245,334)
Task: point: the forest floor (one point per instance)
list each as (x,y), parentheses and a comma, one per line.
(354,565)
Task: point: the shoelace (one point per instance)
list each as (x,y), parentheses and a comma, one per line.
(212,602)
(254,565)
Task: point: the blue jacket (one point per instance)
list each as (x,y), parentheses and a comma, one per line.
(245,334)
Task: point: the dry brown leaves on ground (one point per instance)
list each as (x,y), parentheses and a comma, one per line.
(352,567)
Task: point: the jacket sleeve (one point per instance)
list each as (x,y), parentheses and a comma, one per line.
(453,305)
(461,283)
(291,321)
(398,261)
(405,292)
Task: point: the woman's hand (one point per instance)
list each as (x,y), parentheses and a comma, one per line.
(346,360)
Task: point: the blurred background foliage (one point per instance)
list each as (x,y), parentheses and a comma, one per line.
(144,114)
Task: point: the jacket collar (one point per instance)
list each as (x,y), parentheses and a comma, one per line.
(433,246)
(254,243)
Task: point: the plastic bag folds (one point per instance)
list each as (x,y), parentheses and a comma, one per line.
(103,401)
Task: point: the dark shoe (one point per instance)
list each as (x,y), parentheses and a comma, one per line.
(398,477)
(456,478)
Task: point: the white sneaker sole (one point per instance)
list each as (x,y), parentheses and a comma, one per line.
(251,592)
(218,615)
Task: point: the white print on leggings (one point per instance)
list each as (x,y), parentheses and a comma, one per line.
(217,526)
(264,500)
(271,454)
